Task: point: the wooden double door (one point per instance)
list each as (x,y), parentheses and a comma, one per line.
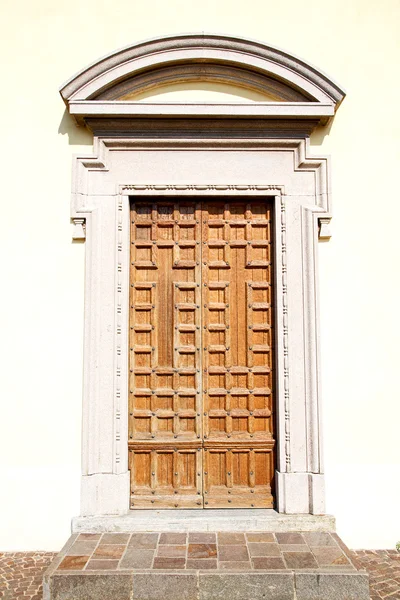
(201,426)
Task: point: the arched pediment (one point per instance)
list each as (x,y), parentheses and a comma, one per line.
(285,86)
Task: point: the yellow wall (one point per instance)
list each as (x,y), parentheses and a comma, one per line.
(41,305)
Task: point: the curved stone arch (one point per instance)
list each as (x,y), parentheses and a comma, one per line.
(223,58)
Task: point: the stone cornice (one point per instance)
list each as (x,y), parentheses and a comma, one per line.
(99,90)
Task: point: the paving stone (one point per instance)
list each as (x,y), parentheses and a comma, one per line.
(21,573)
(173,538)
(235,566)
(202,563)
(329,556)
(172,551)
(233,553)
(143,540)
(98,586)
(169,563)
(384,571)
(294,548)
(264,549)
(115,538)
(289,538)
(82,548)
(268,562)
(300,560)
(89,537)
(159,586)
(138,558)
(331,586)
(225,539)
(246,586)
(202,538)
(262,536)
(202,550)
(319,538)
(102,565)
(73,563)
(109,551)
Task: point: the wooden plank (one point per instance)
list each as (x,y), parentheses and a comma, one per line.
(237,353)
(201,354)
(165,358)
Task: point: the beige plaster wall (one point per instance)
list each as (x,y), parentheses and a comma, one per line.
(41,303)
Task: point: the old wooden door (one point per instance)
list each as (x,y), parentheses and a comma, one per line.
(201,421)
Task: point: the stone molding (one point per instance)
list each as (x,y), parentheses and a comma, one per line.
(183,150)
(301,91)
(124,167)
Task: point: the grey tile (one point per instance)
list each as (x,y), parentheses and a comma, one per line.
(82,548)
(173,538)
(330,556)
(262,549)
(73,563)
(109,551)
(232,553)
(143,540)
(289,538)
(102,565)
(89,537)
(261,536)
(300,560)
(165,562)
(202,563)
(268,563)
(202,550)
(202,538)
(115,538)
(294,548)
(137,558)
(172,551)
(235,566)
(319,538)
(231,538)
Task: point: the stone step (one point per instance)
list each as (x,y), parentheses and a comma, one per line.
(240,519)
(205,566)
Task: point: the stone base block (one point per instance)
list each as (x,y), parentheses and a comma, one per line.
(207,586)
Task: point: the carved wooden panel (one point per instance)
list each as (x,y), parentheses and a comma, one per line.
(238,477)
(165,477)
(201,354)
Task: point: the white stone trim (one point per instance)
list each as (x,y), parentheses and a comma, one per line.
(253,519)
(102,185)
(204,48)
(147,149)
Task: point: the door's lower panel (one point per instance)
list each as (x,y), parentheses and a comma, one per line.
(165,476)
(238,477)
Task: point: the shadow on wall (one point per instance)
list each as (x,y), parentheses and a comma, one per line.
(318,135)
(77,135)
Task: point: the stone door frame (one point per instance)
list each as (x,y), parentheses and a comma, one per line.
(200,150)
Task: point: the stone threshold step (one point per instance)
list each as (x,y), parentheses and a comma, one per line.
(195,565)
(205,520)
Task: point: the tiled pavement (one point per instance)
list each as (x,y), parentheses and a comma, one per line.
(21,573)
(384,572)
(204,551)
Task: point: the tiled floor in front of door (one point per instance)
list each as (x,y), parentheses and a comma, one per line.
(203,551)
